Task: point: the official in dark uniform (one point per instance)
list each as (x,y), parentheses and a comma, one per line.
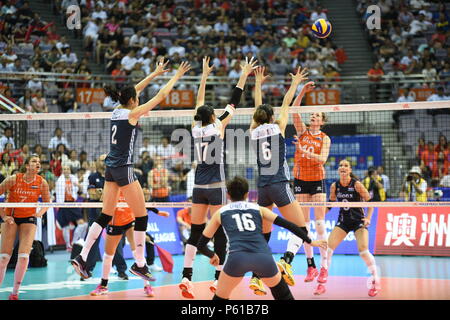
(248,250)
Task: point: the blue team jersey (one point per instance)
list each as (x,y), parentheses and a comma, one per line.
(270,154)
(122,140)
(349,194)
(208,151)
(242,224)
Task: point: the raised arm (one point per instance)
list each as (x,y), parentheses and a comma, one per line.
(201,89)
(141,110)
(284,112)
(247,67)
(299,125)
(259,79)
(158,71)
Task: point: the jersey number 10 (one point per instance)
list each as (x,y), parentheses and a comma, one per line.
(244,222)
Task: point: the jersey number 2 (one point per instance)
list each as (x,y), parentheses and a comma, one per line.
(114,131)
(244,222)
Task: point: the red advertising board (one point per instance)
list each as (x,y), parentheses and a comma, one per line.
(420,94)
(179,99)
(90,95)
(323,97)
(413,231)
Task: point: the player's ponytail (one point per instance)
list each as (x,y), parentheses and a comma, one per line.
(111,91)
(204,114)
(123,96)
(263,114)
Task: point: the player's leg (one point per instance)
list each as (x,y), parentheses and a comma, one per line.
(279,288)
(220,246)
(225,286)
(319,215)
(110,198)
(337,235)
(9,232)
(27,232)
(362,239)
(111,242)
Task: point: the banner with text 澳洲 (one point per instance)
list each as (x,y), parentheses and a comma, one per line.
(413,231)
(280,236)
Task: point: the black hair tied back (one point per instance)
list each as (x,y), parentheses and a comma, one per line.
(204,114)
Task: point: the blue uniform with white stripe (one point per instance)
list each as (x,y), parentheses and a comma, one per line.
(209,179)
(350,219)
(273,170)
(248,250)
(119,161)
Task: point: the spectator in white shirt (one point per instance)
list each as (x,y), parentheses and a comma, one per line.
(138,41)
(250,48)
(7,138)
(62,44)
(445,181)
(57,139)
(429,73)
(235,73)
(69,57)
(99,13)
(203,28)
(408,59)
(146,146)
(419,25)
(221,25)
(439,96)
(166,151)
(177,48)
(129,61)
(386,182)
(34,85)
(318,14)
(406,96)
(91,31)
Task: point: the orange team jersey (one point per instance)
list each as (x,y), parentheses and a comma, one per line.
(304,168)
(68,191)
(122,216)
(158,175)
(24,192)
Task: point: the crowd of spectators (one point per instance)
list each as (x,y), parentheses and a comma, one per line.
(413,39)
(158,167)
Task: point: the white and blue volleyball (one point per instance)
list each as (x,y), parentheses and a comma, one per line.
(321,28)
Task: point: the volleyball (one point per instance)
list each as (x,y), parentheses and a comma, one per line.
(321,28)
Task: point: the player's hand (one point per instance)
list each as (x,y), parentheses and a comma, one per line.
(319,243)
(214,260)
(206,68)
(366,222)
(160,67)
(308,87)
(259,74)
(300,75)
(248,66)
(163,214)
(8,220)
(39,214)
(183,68)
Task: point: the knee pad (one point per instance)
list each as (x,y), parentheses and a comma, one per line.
(140,223)
(23,255)
(103,220)
(220,245)
(281,291)
(196,233)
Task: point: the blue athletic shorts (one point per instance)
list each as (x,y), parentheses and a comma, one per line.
(214,196)
(237,264)
(121,175)
(279,193)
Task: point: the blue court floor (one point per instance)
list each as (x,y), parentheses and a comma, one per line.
(58,280)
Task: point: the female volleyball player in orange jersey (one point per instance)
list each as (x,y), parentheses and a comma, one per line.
(122,223)
(267,134)
(21,187)
(312,149)
(119,175)
(348,189)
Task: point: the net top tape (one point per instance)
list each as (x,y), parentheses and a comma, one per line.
(188,204)
(239,111)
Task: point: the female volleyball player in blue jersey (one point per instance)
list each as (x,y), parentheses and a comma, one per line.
(349,189)
(273,182)
(119,176)
(248,250)
(208,132)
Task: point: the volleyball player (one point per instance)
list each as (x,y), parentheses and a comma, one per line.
(119,175)
(349,189)
(122,223)
(209,184)
(273,180)
(312,150)
(248,249)
(26,186)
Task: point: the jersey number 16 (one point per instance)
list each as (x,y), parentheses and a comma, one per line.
(244,222)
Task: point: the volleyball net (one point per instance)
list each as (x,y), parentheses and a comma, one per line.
(369,136)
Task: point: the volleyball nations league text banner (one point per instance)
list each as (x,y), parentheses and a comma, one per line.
(413,231)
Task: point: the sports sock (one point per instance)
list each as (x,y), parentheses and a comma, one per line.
(139,239)
(281,291)
(107,264)
(294,244)
(309,253)
(19,273)
(187,273)
(370,262)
